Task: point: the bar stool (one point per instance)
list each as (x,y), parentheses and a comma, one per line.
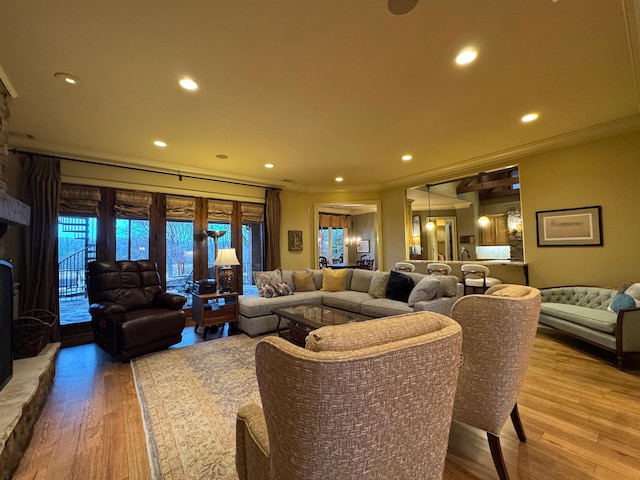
(438,269)
(476,276)
(405,267)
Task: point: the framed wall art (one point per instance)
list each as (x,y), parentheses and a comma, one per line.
(363,246)
(571,227)
(295,240)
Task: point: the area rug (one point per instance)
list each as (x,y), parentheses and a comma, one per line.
(189,399)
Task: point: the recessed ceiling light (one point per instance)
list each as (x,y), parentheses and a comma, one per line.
(160,143)
(268,165)
(530,117)
(68,78)
(188,84)
(339,179)
(407,157)
(466,56)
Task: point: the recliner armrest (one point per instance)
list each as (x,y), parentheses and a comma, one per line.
(170,300)
(106,308)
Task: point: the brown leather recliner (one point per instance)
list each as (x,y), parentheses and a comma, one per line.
(130,313)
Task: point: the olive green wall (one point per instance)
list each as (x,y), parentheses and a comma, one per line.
(604,172)
(299,212)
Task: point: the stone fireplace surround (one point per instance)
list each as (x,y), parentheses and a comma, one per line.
(25,395)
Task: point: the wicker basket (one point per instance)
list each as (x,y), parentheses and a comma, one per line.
(31,332)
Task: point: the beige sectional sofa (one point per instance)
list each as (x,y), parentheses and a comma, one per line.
(358,296)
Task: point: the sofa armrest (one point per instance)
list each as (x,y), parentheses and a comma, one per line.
(628,330)
(170,300)
(106,308)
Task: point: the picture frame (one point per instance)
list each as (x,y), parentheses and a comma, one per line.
(363,246)
(415,226)
(295,240)
(570,227)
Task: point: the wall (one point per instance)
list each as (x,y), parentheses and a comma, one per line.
(298,213)
(363,227)
(604,172)
(394,221)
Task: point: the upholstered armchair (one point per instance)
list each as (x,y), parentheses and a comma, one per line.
(130,313)
(364,400)
(499,328)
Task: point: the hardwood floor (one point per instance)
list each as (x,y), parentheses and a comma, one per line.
(581,416)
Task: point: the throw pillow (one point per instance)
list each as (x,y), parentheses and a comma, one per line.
(317,278)
(448,285)
(620,301)
(378,287)
(334,280)
(266,278)
(276,290)
(399,286)
(303,282)
(634,292)
(425,289)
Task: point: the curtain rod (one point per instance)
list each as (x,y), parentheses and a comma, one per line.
(140,169)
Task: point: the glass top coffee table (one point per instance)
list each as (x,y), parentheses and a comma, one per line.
(304,318)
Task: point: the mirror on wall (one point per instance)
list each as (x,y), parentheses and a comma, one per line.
(455,208)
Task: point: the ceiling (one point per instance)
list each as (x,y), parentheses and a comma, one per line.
(318,88)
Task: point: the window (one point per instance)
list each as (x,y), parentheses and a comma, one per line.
(132,224)
(252,244)
(179,244)
(77,235)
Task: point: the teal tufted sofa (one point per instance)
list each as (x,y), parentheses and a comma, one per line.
(583,312)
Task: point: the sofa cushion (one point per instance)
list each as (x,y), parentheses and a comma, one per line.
(317,277)
(426,289)
(591,297)
(334,280)
(255,306)
(593,318)
(399,286)
(378,287)
(266,278)
(287,277)
(361,280)
(347,300)
(621,301)
(384,307)
(304,282)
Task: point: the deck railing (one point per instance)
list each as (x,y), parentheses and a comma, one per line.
(71,273)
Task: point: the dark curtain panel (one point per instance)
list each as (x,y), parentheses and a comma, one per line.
(272,229)
(41,286)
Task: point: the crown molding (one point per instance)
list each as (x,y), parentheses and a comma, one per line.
(589,134)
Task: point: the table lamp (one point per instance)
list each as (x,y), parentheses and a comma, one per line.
(224,260)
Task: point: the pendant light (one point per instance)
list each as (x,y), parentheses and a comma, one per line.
(430,225)
(483,221)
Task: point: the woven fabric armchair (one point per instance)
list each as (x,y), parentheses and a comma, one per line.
(499,328)
(364,400)
(130,313)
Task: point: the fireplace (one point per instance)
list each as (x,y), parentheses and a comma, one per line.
(6,322)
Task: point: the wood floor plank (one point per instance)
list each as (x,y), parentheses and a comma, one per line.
(580,413)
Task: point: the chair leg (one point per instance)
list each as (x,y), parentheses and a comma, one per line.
(517,424)
(496,454)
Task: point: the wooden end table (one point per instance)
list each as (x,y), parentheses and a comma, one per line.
(213,309)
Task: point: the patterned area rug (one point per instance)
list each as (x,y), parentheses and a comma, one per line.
(189,399)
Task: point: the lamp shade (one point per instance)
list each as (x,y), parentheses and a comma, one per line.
(227,256)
